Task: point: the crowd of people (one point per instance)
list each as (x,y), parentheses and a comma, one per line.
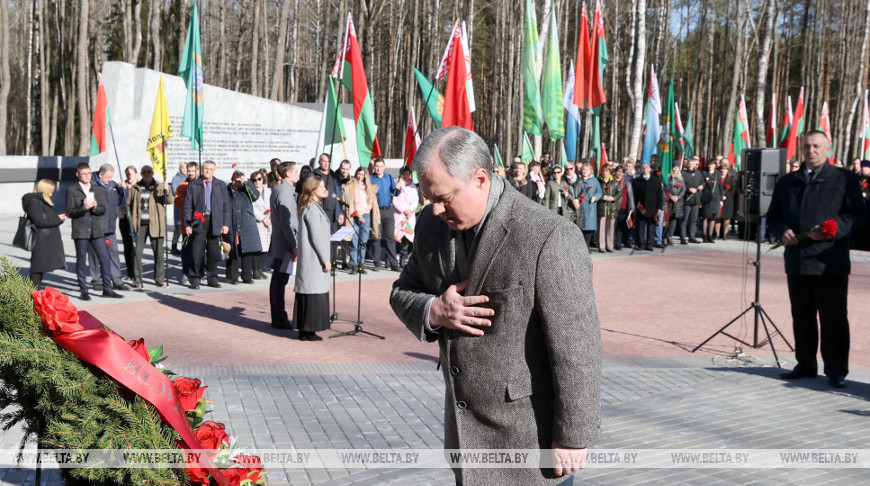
(629,205)
(626,205)
(275,221)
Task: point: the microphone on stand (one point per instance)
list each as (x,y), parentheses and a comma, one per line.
(341,201)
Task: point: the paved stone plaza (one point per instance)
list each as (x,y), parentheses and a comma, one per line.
(359,392)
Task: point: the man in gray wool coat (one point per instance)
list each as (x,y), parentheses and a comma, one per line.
(505,287)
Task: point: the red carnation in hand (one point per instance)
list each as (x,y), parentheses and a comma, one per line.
(56,311)
(138,345)
(189,392)
(864,185)
(829,228)
(211,435)
(727,187)
(268,211)
(565,188)
(108,242)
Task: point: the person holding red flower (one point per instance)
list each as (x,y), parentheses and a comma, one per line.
(608,209)
(814,211)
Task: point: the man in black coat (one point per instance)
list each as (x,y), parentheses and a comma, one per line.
(209,197)
(86,207)
(817,267)
(647,189)
(693,179)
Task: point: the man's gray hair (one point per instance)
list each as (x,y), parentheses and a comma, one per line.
(106,168)
(209,162)
(460,150)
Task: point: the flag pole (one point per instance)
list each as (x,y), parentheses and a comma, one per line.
(334,124)
(165,218)
(126,206)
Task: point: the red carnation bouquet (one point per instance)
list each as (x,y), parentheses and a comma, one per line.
(197,218)
(828,229)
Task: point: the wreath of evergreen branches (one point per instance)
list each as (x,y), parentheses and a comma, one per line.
(63,403)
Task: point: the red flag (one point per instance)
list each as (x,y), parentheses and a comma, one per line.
(582,68)
(412,139)
(797,127)
(101,118)
(603,158)
(596,94)
(457,110)
(771,127)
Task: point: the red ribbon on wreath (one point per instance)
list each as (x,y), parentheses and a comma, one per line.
(83,335)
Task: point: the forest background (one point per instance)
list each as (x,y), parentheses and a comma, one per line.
(715,50)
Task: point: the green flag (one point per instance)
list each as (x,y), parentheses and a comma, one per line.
(528,152)
(689,140)
(552,102)
(434,100)
(596,142)
(532,120)
(666,144)
(496,157)
(334,127)
(191,71)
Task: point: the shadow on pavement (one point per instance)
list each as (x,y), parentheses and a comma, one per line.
(232,315)
(853,388)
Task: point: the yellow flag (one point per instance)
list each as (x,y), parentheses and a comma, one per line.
(161,129)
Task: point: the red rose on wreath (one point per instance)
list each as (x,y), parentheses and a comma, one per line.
(189,392)
(138,345)
(251,467)
(233,475)
(211,435)
(56,311)
(829,228)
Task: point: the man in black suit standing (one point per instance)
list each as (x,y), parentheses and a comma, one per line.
(209,197)
(648,196)
(817,266)
(86,207)
(282,248)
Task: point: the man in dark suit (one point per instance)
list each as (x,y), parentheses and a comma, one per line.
(282,249)
(693,180)
(817,267)
(519,337)
(648,196)
(209,197)
(86,207)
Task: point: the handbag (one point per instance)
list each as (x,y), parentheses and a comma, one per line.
(25,237)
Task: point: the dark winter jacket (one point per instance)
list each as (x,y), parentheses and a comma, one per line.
(48,254)
(244,224)
(799,204)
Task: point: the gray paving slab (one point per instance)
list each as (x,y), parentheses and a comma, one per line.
(647,404)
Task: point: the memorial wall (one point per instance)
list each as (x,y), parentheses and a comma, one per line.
(240,131)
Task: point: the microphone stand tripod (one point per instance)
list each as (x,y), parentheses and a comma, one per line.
(760,314)
(357,324)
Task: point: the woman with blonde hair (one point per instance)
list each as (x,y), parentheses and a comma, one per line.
(311,311)
(47,254)
(361,196)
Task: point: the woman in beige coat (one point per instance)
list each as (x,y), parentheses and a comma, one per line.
(361,196)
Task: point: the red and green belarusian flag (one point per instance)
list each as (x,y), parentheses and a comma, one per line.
(865,129)
(349,70)
(459,93)
(582,68)
(101,120)
(786,125)
(741,136)
(412,138)
(598,60)
(796,128)
(825,126)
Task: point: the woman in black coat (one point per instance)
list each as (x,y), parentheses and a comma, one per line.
(244,235)
(47,254)
(729,190)
(711,202)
